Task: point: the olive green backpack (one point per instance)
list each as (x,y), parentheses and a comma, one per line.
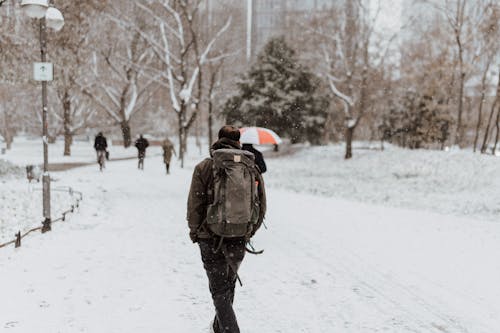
(235,207)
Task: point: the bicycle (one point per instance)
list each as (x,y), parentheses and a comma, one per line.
(101,157)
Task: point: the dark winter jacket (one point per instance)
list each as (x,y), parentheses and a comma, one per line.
(141,144)
(201,194)
(259,159)
(100,143)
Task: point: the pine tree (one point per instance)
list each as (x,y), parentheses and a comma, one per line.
(280,94)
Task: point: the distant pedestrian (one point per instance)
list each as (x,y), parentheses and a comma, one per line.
(259,158)
(226,187)
(141,144)
(168,150)
(101,146)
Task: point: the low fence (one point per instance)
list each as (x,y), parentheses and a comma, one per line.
(78,198)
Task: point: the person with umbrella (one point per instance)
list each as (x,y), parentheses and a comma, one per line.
(258,136)
(259,158)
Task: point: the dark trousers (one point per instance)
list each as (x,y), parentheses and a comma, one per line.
(141,156)
(222,279)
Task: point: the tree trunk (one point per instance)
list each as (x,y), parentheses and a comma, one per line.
(484,146)
(459,133)
(180,128)
(497,126)
(479,119)
(182,140)
(184,145)
(68,141)
(8,142)
(68,135)
(349,131)
(8,137)
(197,132)
(7,131)
(210,123)
(126,133)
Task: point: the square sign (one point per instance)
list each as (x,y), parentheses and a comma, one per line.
(43,71)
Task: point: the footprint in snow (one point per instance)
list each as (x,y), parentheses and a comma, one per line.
(11,324)
(44,304)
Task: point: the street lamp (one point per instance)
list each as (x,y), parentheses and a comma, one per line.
(51,17)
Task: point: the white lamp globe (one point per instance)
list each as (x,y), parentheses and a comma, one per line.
(54,19)
(35,8)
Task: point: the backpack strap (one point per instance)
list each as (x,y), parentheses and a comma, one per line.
(230,262)
(252,250)
(222,190)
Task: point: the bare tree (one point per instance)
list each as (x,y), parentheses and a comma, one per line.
(488,47)
(463,17)
(7,121)
(176,42)
(494,108)
(213,83)
(71,51)
(118,84)
(122,93)
(344,37)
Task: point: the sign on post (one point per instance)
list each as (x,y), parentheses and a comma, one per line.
(43,71)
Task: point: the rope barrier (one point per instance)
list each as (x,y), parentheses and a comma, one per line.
(62,218)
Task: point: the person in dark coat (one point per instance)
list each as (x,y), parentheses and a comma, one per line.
(259,158)
(100,146)
(141,144)
(221,277)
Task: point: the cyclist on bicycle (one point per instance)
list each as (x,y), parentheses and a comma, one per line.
(141,144)
(100,146)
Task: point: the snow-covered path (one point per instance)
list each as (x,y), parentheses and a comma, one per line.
(125,264)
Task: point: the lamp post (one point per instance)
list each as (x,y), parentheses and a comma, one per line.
(52,18)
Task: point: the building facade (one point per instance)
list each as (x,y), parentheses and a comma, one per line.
(257,21)
(271,18)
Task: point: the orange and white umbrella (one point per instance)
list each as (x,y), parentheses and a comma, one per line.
(259,136)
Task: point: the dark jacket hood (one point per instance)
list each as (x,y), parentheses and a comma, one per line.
(224,143)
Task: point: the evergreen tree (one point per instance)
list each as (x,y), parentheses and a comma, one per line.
(281,94)
(420,120)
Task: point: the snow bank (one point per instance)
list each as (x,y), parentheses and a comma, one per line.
(454,182)
(8,169)
(21,206)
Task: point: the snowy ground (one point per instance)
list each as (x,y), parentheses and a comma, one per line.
(124,263)
(455,182)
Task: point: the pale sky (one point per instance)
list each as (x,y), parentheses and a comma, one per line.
(390,16)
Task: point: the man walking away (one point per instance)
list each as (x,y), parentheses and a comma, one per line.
(168,150)
(226,206)
(100,146)
(141,144)
(259,158)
